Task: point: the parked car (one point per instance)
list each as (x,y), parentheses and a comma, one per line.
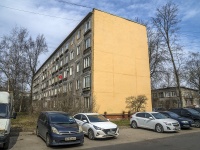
(155,121)
(59,128)
(157,109)
(184,122)
(188,113)
(96,126)
(197,109)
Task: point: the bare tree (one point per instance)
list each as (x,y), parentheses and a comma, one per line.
(192,70)
(136,104)
(19,58)
(34,49)
(166,23)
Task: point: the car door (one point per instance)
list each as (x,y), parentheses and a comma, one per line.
(149,121)
(85,123)
(140,119)
(185,113)
(41,126)
(78,119)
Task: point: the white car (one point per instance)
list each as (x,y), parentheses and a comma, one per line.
(95,125)
(154,120)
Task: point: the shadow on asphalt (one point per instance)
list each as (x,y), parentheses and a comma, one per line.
(14,135)
(164,132)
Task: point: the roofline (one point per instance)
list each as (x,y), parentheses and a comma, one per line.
(120,17)
(69,36)
(85,18)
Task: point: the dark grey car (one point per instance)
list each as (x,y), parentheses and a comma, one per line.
(59,128)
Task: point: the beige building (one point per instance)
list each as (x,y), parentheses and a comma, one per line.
(169,98)
(105,57)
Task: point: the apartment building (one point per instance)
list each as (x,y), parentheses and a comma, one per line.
(169,97)
(105,57)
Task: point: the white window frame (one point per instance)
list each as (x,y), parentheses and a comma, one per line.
(87,25)
(86,62)
(78,67)
(78,50)
(78,34)
(70,71)
(86,81)
(77,84)
(87,102)
(87,43)
(71,55)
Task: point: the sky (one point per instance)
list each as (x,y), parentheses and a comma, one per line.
(55,19)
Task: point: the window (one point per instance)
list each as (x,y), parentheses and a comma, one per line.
(79,34)
(77,84)
(70,86)
(87,43)
(140,115)
(87,25)
(86,102)
(161,95)
(173,94)
(66,59)
(86,62)
(72,41)
(154,95)
(78,50)
(67,46)
(70,71)
(78,117)
(77,67)
(65,74)
(86,82)
(147,115)
(71,55)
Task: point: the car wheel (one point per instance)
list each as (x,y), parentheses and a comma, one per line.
(6,145)
(91,134)
(197,123)
(159,128)
(36,132)
(134,124)
(48,143)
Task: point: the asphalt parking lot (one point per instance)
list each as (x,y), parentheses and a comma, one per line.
(29,141)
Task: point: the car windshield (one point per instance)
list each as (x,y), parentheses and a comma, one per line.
(97,118)
(62,119)
(172,114)
(3,110)
(193,111)
(159,116)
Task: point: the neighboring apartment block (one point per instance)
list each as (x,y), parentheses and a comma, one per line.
(169,97)
(105,57)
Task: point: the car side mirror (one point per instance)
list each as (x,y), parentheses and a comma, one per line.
(188,114)
(14,116)
(85,121)
(151,118)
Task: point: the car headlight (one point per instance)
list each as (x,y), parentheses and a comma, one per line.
(167,123)
(54,130)
(184,122)
(3,132)
(80,129)
(97,128)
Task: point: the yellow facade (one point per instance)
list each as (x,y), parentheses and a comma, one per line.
(120,66)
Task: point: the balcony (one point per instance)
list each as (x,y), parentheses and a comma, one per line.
(87,50)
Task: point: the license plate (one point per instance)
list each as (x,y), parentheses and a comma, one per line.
(176,128)
(70,139)
(111,132)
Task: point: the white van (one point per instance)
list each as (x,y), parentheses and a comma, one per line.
(5,118)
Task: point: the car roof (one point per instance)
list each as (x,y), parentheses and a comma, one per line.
(54,112)
(88,113)
(152,112)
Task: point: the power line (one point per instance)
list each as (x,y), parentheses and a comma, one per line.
(36,13)
(74,4)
